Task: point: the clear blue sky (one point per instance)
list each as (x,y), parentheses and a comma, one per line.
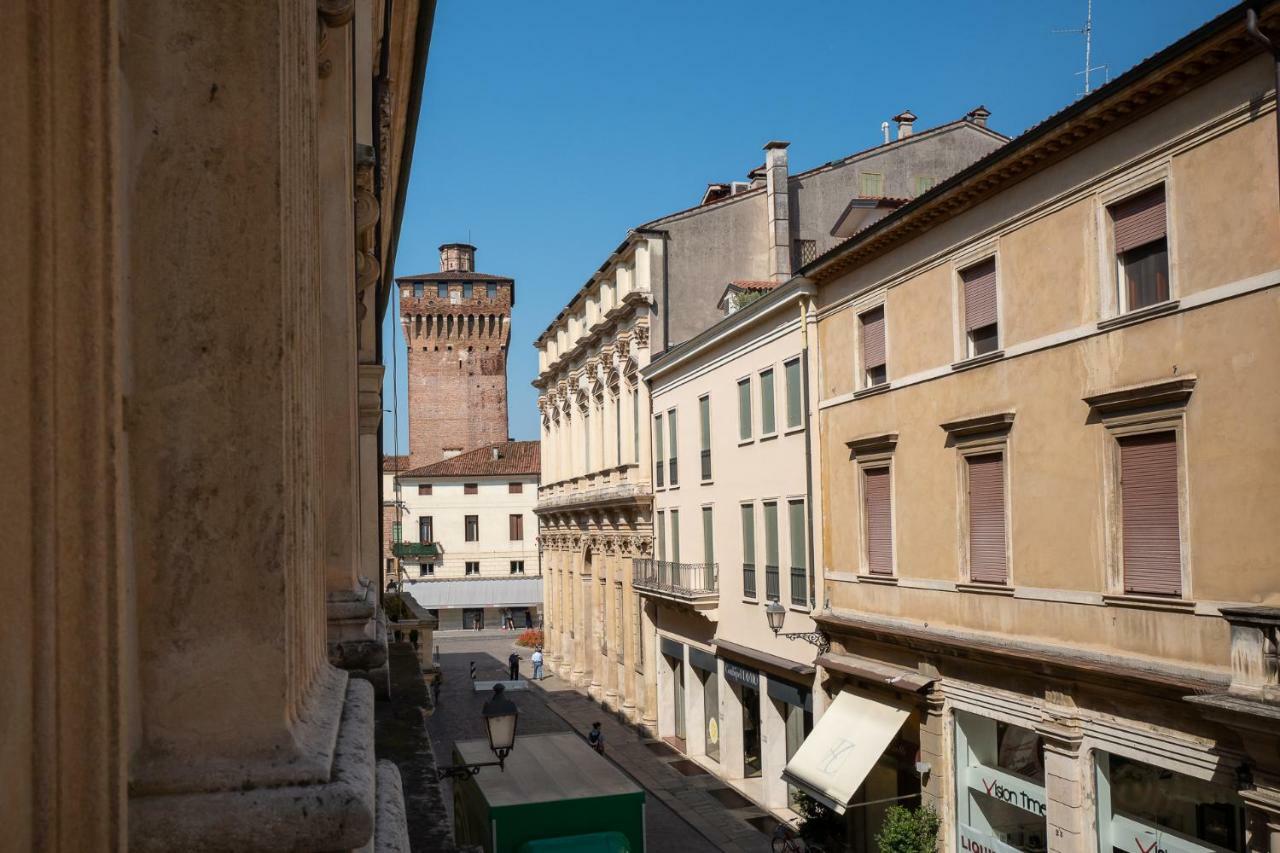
(549,129)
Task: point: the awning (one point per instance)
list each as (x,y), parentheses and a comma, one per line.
(475,592)
(897,677)
(842,748)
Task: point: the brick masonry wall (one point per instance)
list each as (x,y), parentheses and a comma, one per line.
(457,369)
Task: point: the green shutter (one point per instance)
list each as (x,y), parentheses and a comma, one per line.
(767,422)
(704,421)
(675,535)
(708,537)
(671,432)
(660,534)
(796,533)
(744,409)
(793,393)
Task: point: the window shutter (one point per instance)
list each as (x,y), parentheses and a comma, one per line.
(987,561)
(744,409)
(1149,503)
(879,515)
(979,295)
(1139,220)
(873,339)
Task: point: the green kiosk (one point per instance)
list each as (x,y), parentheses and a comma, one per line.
(556,795)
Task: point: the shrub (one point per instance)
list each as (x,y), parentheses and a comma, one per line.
(909,830)
(820,825)
(395,608)
(531,637)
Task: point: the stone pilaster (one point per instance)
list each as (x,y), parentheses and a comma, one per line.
(1262,819)
(1066,778)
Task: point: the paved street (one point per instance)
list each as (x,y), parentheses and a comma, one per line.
(710,818)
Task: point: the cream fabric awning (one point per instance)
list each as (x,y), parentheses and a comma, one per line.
(840,751)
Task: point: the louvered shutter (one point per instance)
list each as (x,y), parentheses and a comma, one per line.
(987,552)
(873,339)
(1149,503)
(879,515)
(979,295)
(1139,220)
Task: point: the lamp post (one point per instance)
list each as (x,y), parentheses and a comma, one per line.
(776,614)
(500,717)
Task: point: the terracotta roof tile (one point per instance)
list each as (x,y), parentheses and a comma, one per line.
(454,275)
(391,464)
(514,457)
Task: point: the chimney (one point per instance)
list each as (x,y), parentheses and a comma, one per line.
(884,129)
(979,115)
(457,257)
(779,200)
(904,119)
(497,454)
(757,176)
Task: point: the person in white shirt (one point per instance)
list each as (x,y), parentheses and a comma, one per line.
(537,664)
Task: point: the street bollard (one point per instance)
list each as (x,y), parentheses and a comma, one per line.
(473,670)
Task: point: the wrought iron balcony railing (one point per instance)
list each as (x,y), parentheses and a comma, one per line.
(417,550)
(689,581)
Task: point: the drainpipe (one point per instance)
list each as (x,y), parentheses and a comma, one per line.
(1251,25)
(808,444)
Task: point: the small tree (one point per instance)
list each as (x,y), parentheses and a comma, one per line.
(819,824)
(909,830)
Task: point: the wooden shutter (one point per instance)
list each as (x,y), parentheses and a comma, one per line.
(1149,503)
(987,552)
(878,509)
(873,339)
(1139,220)
(979,295)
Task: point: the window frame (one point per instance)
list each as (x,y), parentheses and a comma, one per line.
(1111,303)
(659,453)
(965,349)
(874,452)
(515,563)
(745,382)
(750,507)
(467,522)
(862,184)
(673,449)
(515,524)
(424,489)
(466,568)
(515,488)
(982,445)
(442,291)
(773,408)
(861,380)
(804,552)
(799,424)
(765,503)
(470,488)
(704,439)
(430,526)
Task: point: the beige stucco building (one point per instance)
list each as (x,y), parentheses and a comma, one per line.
(732,517)
(1049,466)
(200,202)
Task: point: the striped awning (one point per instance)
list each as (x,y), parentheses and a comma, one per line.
(475,592)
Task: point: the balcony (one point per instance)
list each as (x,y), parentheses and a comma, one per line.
(619,485)
(416,550)
(689,583)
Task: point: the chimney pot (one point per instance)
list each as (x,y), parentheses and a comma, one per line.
(457,257)
(904,119)
(979,115)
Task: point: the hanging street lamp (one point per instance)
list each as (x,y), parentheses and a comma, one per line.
(500,716)
(776,614)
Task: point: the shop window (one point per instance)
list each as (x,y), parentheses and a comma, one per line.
(711,713)
(1146,808)
(1001,781)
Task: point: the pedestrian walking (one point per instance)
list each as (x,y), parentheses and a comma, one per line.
(528,618)
(596,738)
(507,624)
(537,664)
(514,662)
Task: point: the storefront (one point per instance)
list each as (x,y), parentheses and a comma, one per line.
(1000,786)
(794,704)
(674,698)
(744,682)
(706,670)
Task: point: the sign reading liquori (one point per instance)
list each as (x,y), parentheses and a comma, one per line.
(973,841)
(1008,788)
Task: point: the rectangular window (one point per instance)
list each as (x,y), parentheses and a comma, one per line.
(987,551)
(768,424)
(674,478)
(635,425)
(798,539)
(425,529)
(980,324)
(924,184)
(675,535)
(660,533)
(795,396)
(659,456)
(877,511)
(704,435)
(708,537)
(517,567)
(472,568)
(617,429)
(396,533)
(619,631)
(874,368)
(744,409)
(467,291)
(586,440)
(424,488)
(491,290)
(515,488)
(872,184)
(639,631)
(771,551)
(419,290)
(426,570)
(442,291)
(516,524)
(806,252)
(470,488)
(1152,552)
(748,550)
(472,528)
(1142,249)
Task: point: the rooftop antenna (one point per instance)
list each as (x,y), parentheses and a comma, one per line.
(1087,32)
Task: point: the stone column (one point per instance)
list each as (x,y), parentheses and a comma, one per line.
(648,636)
(731,746)
(935,750)
(630,639)
(1262,818)
(609,592)
(773,747)
(1066,778)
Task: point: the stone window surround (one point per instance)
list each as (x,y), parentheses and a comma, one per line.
(876,451)
(987,250)
(1137,410)
(1110,297)
(980,435)
(862,389)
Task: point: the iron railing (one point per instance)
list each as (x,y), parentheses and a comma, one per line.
(690,580)
(799,586)
(749,580)
(706,464)
(416,549)
(771,582)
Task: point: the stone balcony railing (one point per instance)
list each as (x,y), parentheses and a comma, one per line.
(692,583)
(619,484)
(416,550)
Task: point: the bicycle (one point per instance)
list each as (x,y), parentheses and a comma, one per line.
(787,840)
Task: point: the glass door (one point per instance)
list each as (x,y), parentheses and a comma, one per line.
(711,713)
(750,732)
(678,682)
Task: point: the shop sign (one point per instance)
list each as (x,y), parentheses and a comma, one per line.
(1008,788)
(973,841)
(1134,836)
(713,730)
(739,674)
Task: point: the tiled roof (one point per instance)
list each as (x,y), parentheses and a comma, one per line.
(391,464)
(513,457)
(753,284)
(454,275)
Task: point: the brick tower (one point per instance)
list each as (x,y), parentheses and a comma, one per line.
(457,324)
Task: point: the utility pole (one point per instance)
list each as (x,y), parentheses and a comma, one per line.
(1087,32)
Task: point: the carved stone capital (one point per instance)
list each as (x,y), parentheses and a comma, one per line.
(336,13)
(369,383)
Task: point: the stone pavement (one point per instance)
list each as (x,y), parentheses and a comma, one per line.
(682,812)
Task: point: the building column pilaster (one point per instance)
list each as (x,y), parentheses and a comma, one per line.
(648,636)
(1065,773)
(1262,819)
